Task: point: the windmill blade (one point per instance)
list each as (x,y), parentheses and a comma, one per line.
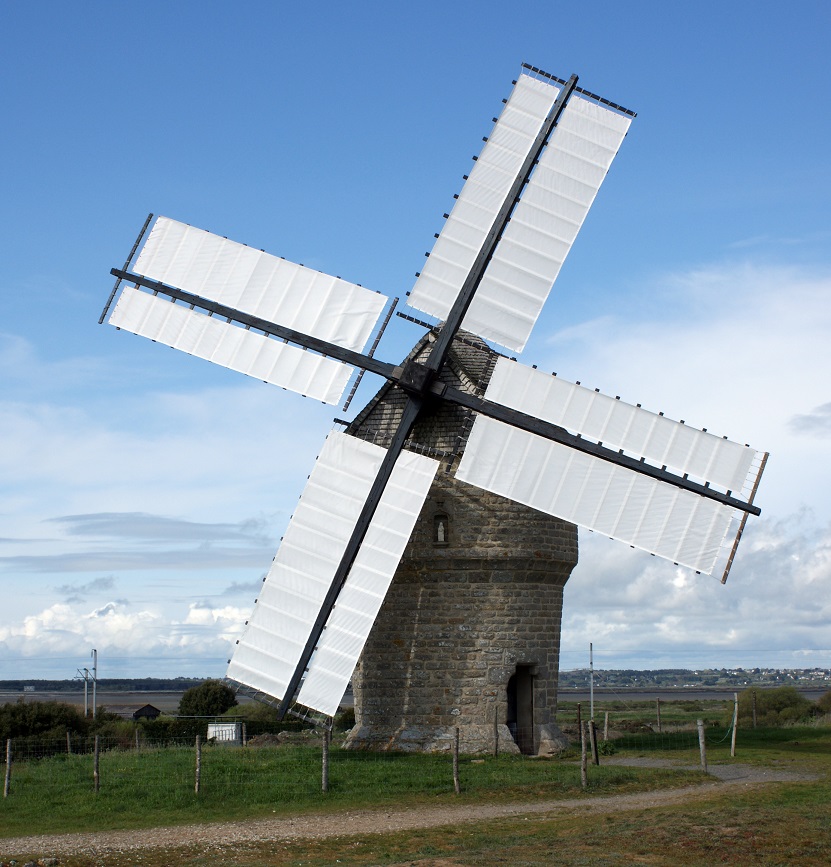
(301,574)
(216,340)
(544,223)
(620,503)
(620,425)
(258,283)
(646,512)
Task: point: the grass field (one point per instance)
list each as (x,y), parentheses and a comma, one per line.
(774,824)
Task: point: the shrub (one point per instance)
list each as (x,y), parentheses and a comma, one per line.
(774,707)
(345,719)
(824,702)
(45,719)
(211,698)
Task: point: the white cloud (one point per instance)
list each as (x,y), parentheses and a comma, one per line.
(815,423)
(69,630)
(642,612)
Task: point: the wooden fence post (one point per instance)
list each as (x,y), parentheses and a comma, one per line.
(579,718)
(8,781)
(96,756)
(606,727)
(325,762)
(198,780)
(68,743)
(658,708)
(244,735)
(702,744)
(593,742)
(584,770)
(456,785)
(137,739)
(735,724)
(753,696)
(495,732)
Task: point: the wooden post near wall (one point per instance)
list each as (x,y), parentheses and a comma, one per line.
(324,779)
(457,787)
(593,742)
(495,732)
(96,757)
(8,780)
(198,776)
(584,770)
(735,724)
(606,726)
(702,744)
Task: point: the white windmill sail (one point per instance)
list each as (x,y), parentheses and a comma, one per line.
(620,425)
(544,223)
(650,514)
(230,346)
(255,283)
(309,554)
(258,283)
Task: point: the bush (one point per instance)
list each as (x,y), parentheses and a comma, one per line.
(166,728)
(45,719)
(774,707)
(211,698)
(824,702)
(345,719)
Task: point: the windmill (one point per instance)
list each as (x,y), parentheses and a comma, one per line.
(551,445)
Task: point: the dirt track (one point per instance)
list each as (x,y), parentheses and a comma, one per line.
(219,835)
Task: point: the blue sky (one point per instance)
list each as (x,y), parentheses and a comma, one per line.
(143,492)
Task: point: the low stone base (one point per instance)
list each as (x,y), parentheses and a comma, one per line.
(473,739)
(551,741)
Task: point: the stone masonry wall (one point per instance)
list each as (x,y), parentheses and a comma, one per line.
(469,602)
(458,619)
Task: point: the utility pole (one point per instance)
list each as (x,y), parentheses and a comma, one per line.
(94,683)
(85,675)
(591,682)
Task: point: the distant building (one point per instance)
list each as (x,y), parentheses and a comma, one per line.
(146,711)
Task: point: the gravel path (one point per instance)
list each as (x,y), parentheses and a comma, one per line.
(220,835)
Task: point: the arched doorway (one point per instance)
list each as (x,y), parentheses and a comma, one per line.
(520,717)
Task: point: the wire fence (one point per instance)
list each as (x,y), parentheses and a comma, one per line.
(296,766)
(179,769)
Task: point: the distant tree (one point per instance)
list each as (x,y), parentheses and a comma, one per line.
(210,698)
(824,702)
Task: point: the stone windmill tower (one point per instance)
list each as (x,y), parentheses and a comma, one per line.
(469,632)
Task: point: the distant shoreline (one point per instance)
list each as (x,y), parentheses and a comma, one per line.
(167,701)
(677,693)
